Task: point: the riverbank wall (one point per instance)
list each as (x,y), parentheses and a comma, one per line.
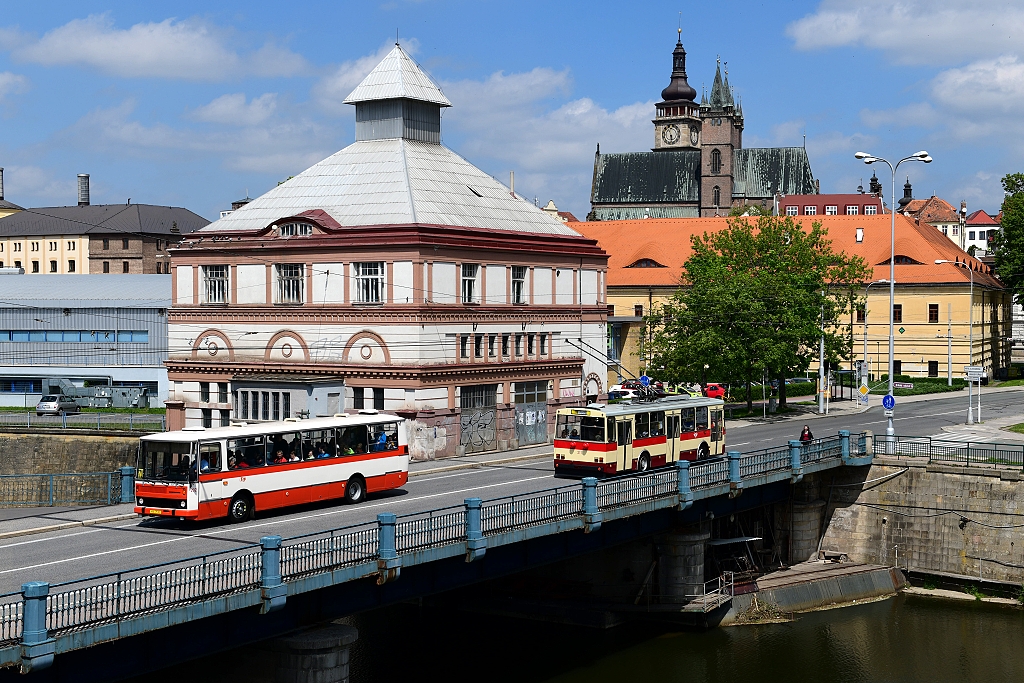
(65,451)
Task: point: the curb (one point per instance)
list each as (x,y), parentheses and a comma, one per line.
(66,525)
(477,465)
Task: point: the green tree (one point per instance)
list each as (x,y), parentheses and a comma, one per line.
(756,297)
(1008,243)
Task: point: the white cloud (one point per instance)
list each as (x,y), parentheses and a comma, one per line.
(22,183)
(916,114)
(991,85)
(11,83)
(188,50)
(234,110)
(915,31)
(331,91)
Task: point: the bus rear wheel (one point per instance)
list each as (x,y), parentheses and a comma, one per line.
(241,508)
(703,452)
(355,490)
(644,463)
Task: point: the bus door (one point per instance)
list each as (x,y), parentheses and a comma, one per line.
(673,437)
(210,460)
(717,430)
(624,439)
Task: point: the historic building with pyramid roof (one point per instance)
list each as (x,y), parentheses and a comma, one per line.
(393,275)
(698,165)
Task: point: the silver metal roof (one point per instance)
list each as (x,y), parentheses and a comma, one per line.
(397,76)
(85,291)
(661,404)
(396,181)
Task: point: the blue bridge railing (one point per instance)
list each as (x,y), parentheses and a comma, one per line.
(963,453)
(39,621)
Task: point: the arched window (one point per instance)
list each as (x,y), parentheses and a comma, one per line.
(716,161)
(716,195)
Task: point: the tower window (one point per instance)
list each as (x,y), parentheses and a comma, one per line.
(716,195)
(716,162)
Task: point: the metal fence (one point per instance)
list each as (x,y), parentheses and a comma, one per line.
(36,490)
(963,453)
(821,449)
(513,512)
(709,473)
(324,550)
(144,422)
(11,614)
(431,529)
(765,461)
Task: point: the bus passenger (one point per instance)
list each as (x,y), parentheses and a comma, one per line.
(321,453)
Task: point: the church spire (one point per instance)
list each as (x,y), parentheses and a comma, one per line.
(678,88)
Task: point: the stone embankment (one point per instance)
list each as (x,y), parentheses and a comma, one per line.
(67,451)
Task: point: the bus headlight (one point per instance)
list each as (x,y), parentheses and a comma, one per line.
(182,504)
(140,502)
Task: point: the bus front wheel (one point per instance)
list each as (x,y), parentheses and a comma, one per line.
(240,509)
(703,452)
(355,490)
(644,463)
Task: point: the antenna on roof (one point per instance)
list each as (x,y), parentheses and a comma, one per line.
(396,35)
(805,138)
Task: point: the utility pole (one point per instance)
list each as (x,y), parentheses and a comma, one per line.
(949,344)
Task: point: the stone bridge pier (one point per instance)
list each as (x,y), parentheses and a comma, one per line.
(681,570)
(316,655)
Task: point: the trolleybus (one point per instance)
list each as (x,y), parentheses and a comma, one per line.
(608,439)
(233,471)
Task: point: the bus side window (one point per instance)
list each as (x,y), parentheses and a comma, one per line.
(643,425)
(611,430)
(689,421)
(209,457)
(246,452)
(702,419)
(352,440)
(658,423)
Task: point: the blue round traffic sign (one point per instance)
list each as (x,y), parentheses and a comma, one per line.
(888,402)
(645,380)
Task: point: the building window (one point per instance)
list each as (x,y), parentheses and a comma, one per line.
(861,313)
(71,266)
(504,346)
(470,271)
(124,267)
(124,243)
(207,418)
(491,346)
(716,196)
(543,345)
(464,346)
(369,282)
(286,404)
(478,346)
(71,246)
(295,229)
(897,313)
(970,235)
(275,398)
(831,210)
(851,210)
(17,246)
(933,368)
(933,313)
(225,418)
(810,210)
(244,396)
(53,246)
(519,345)
(17,264)
(215,284)
(638,310)
(897,368)
(35,266)
(358,398)
(378,399)
(519,285)
(53,266)
(159,245)
(870,210)
(716,161)
(106,266)
(266,405)
(529,344)
(792,210)
(35,246)
(956,230)
(204,392)
(222,392)
(106,243)
(860,235)
(289,283)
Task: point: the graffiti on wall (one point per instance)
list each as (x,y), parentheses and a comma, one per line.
(479,429)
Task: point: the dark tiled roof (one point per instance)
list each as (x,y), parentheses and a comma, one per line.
(761,172)
(4,204)
(647,177)
(101,219)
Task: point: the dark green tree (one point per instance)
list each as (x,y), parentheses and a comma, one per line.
(1008,244)
(756,298)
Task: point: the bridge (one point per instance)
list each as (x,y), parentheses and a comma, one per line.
(302,579)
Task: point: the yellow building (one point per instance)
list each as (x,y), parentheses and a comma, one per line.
(932,300)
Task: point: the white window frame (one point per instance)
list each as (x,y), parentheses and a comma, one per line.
(369,280)
(519,290)
(792,210)
(831,210)
(870,210)
(216,284)
(852,210)
(470,283)
(295,229)
(291,283)
(810,210)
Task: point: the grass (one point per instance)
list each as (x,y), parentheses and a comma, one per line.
(929,585)
(1012,383)
(975,591)
(922,385)
(1019,428)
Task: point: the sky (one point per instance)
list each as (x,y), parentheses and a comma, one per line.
(196,104)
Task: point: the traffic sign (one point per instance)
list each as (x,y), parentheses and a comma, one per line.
(863,390)
(888,402)
(974,372)
(888,413)
(645,380)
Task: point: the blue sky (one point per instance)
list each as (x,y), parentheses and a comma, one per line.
(193,104)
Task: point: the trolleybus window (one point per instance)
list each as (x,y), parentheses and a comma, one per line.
(165,461)
(702,419)
(658,423)
(245,453)
(209,457)
(643,425)
(580,427)
(689,419)
(352,440)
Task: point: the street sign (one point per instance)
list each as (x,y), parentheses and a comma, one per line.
(888,402)
(888,413)
(863,390)
(974,372)
(901,330)
(645,380)
(902,385)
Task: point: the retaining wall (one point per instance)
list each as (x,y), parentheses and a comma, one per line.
(67,451)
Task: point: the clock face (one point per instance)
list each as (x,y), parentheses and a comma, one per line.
(693,136)
(670,134)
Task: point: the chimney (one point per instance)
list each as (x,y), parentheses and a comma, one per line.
(1,183)
(83,189)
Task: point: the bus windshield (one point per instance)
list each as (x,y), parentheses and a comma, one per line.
(580,428)
(165,461)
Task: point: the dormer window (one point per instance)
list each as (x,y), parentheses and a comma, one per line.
(295,229)
(645,263)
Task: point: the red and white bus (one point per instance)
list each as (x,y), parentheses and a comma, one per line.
(608,439)
(233,471)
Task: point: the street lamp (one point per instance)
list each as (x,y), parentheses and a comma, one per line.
(864,375)
(970,343)
(924,157)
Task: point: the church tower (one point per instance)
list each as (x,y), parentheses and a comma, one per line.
(677,123)
(722,124)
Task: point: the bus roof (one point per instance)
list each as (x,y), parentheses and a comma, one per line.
(237,429)
(667,403)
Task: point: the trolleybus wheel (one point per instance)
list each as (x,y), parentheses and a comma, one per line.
(703,452)
(240,508)
(644,463)
(355,490)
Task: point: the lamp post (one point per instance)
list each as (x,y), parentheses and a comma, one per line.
(864,374)
(970,343)
(922,156)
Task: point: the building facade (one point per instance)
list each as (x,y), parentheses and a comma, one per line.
(395,276)
(698,165)
(854,204)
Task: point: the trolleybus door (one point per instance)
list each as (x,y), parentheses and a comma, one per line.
(716,430)
(624,434)
(673,436)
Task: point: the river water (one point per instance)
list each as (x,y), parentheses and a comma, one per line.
(905,639)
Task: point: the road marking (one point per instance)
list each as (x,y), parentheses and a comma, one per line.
(257,526)
(739,444)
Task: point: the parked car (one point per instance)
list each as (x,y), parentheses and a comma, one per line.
(56,404)
(620,392)
(714,390)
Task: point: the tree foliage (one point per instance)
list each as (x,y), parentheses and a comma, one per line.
(756,298)
(1008,243)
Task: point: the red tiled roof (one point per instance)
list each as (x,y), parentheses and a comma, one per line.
(979,217)
(667,241)
(566,215)
(933,210)
(840,201)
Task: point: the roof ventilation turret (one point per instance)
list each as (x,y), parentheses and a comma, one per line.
(83,189)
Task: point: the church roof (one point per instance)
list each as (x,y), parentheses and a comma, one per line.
(647,177)
(395,181)
(397,77)
(720,94)
(763,171)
